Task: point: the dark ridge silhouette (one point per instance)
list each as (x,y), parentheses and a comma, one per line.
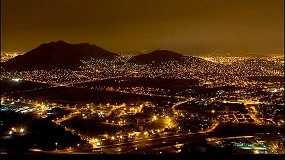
(57,54)
(156,56)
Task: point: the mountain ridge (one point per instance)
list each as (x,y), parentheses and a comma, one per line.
(156,56)
(57,54)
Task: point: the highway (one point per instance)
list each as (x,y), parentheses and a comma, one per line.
(149,141)
(145,145)
(182,102)
(130,147)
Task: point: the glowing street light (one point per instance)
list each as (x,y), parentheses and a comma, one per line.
(154,118)
(22,130)
(16,79)
(256,152)
(213,111)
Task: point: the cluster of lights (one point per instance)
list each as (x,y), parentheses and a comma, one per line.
(5,56)
(208,72)
(16,130)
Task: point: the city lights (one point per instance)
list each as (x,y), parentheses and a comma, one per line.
(22,130)
(154,118)
(16,79)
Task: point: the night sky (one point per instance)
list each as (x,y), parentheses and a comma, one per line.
(185,26)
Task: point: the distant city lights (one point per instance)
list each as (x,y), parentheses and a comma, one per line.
(16,79)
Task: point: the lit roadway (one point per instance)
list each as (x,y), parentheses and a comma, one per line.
(36,89)
(146,94)
(139,145)
(252,113)
(182,102)
(55,85)
(70,86)
(134,146)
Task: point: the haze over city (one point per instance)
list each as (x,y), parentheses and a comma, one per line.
(190,27)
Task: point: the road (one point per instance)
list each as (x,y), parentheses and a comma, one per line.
(182,102)
(54,85)
(129,147)
(134,146)
(36,89)
(144,145)
(252,113)
(151,140)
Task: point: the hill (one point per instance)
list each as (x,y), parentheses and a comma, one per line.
(57,54)
(156,56)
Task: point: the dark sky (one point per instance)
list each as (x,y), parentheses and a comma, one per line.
(186,26)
